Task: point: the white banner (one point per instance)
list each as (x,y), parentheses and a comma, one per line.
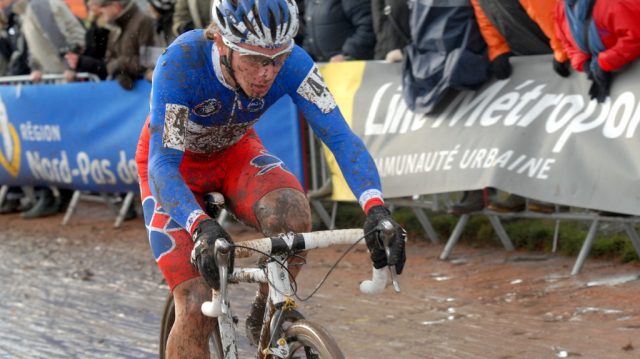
(535,134)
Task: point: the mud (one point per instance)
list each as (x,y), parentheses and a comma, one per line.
(90,291)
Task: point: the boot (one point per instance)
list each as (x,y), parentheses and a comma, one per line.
(513,203)
(471,201)
(46,205)
(10,206)
(253,324)
(12,201)
(541,207)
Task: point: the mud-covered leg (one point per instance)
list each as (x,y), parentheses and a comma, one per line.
(189,337)
(279,211)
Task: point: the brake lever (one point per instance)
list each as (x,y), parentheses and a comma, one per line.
(387,232)
(222,249)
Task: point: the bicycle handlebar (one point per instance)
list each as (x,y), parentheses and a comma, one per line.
(295,242)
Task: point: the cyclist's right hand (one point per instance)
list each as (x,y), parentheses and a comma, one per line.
(203,256)
(397,256)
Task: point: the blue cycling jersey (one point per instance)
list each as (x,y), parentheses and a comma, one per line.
(194,110)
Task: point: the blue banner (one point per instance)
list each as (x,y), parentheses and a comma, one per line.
(84,135)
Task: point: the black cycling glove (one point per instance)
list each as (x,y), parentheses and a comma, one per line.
(601,82)
(397,254)
(501,67)
(202,255)
(562,68)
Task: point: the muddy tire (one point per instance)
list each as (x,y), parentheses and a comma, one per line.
(309,340)
(169,317)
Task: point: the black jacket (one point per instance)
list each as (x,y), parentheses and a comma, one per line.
(339,27)
(391,25)
(92,60)
(447,53)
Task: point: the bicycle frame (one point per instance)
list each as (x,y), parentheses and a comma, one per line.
(280,302)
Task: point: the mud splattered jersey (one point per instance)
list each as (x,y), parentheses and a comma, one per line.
(194,112)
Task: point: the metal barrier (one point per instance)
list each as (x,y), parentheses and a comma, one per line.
(627,224)
(110,200)
(46,79)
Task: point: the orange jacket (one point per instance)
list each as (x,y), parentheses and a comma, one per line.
(78,8)
(540,11)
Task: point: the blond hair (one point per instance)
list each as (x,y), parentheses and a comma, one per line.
(211,30)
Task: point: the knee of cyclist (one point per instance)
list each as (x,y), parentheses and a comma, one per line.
(283,210)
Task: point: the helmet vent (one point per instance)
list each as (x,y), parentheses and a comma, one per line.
(248,25)
(235,31)
(273,25)
(256,17)
(221,18)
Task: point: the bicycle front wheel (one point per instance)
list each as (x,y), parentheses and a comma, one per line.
(309,340)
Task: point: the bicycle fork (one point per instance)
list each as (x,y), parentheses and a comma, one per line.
(280,303)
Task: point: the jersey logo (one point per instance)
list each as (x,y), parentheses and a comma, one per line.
(207,108)
(161,228)
(315,91)
(175,126)
(266,162)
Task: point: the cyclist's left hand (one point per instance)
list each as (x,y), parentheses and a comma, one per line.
(397,254)
(203,256)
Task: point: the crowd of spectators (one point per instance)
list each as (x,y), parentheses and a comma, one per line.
(119,39)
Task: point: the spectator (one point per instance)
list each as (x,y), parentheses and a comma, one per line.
(131,30)
(191,14)
(6,47)
(523,27)
(50,29)
(446,54)
(391,26)
(18,60)
(92,60)
(162,13)
(600,37)
(338,30)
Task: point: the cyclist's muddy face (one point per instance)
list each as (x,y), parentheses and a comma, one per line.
(256,68)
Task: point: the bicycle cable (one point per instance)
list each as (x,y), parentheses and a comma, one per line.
(294,284)
(319,285)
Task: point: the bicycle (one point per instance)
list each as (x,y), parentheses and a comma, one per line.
(285,333)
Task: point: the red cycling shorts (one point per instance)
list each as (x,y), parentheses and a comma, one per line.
(229,172)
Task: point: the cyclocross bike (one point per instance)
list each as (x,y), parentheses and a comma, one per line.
(285,332)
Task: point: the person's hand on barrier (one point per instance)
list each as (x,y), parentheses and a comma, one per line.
(69,75)
(125,81)
(601,82)
(372,233)
(338,58)
(562,68)
(501,67)
(36,76)
(72,59)
(203,256)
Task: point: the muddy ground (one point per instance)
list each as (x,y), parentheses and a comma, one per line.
(88,290)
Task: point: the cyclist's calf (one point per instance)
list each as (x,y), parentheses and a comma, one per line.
(191,327)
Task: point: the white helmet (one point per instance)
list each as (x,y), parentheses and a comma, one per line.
(264,23)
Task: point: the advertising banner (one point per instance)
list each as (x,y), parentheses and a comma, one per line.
(84,135)
(534,134)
